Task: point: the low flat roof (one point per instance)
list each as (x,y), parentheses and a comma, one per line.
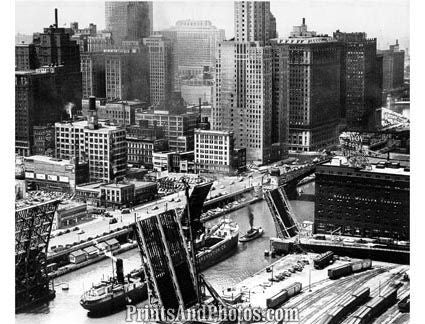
(47,159)
(341,161)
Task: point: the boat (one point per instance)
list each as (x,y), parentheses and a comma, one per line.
(65,286)
(218,243)
(215,245)
(114,294)
(253,232)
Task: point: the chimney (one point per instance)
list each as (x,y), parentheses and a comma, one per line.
(56,17)
(92,103)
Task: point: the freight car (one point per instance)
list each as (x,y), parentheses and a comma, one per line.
(404,304)
(323,260)
(284,295)
(349,268)
(345,306)
(374,308)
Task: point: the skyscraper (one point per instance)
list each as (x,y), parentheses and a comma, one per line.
(127,74)
(195,43)
(393,67)
(310,66)
(160,67)
(254,22)
(93,74)
(361,82)
(50,82)
(242,97)
(129,21)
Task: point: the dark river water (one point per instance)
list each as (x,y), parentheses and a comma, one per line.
(248,259)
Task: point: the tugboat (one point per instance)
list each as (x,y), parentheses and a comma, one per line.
(253,232)
(114,294)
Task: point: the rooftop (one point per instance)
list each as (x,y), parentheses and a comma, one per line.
(395,167)
(104,125)
(47,159)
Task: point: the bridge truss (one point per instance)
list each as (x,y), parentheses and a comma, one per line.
(32,233)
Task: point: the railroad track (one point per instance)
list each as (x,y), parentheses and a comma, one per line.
(318,294)
(347,287)
(393,314)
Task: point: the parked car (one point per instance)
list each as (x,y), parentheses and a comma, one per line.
(125,211)
(76,228)
(80,232)
(155,207)
(113,221)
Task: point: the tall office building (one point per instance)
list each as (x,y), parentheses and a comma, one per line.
(129,20)
(310,66)
(195,43)
(25,57)
(102,145)
(254,22)
(127,74)
(93,74)
(361,80)
(242,97)
(160,67)
(393,67)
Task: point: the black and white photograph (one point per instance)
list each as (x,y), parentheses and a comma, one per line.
(211,162)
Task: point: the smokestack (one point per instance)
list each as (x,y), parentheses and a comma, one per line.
(92,103)
(56,17)
(303,21)
(120,271)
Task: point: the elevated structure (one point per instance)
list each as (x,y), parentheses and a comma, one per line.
(32,233)
(169,272)
(282,213)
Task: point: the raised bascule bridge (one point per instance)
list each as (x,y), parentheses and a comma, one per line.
(32,233)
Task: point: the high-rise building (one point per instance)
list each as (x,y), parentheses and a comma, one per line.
(311,70)
(254,22)
(129,20)
(127,74)
(178,128)
(242,97)
(195,43)
(104,146)
(160,67)
(25,57)
(93,74)
(41,97)
(361,82)
(393,67)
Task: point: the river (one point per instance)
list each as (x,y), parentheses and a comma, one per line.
(248,259)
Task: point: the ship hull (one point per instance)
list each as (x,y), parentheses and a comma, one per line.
(116,303)
(219,253)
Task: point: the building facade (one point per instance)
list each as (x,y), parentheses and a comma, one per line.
(254,22)
(44,140)
(127,74)
(178,128)
(215,152)
(362,202)
(242,97)
(129,20)
(361,80)
(103,146)
(195,43)
(93,74)
(160,67)
(308,70)
(47,173)
(393,68)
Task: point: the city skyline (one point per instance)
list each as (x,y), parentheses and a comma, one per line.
(385,22)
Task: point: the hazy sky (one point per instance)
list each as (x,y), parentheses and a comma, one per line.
(385,19)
